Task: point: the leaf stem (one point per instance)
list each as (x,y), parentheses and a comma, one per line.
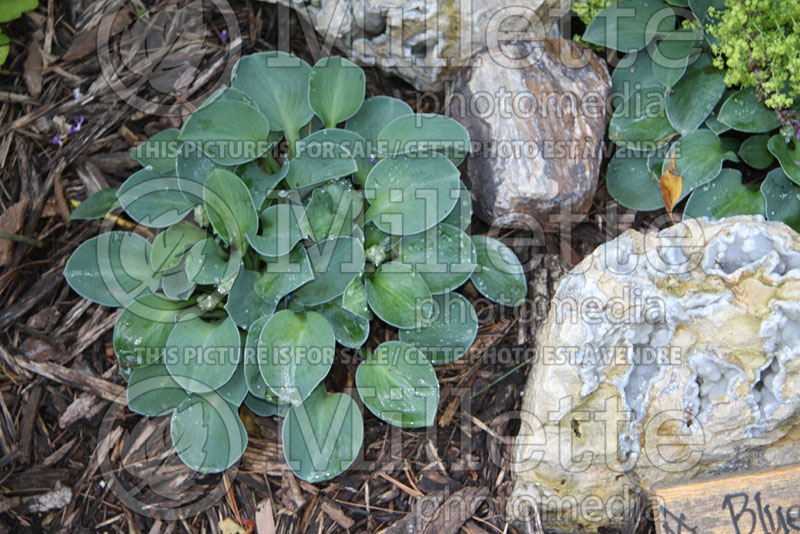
(504,376)
(23,239)
(270,163)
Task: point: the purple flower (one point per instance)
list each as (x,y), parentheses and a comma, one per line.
(223,36)
(76,125)
(57,140)
(373,160)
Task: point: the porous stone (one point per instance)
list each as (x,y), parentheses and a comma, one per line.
(537,120)
(424,42)
(664,357)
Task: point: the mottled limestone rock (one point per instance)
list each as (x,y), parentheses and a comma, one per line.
(424,42)
(664,357)
(537,125)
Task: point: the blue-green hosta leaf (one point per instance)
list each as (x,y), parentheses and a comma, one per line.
(152,391)
(228,132)
(175,283)
(373,116)
(499,276)
(322,437)
(788,155)
(230,208)
(629,25)
(630,182)
(755,152)
(169,246)
(743,112)
(423,133)
(449,333)
(229,94)
(673,54)
(206,263)
(207,433)
(265,407)
(202,356)
(398,295)
(725,196)
(336,89)
(698,158)
(159,151)
(112,269)
(280,230)
(694,97)
(96,206)
(141,332)
(398,384)
(461,216)
(295,353)
(336,262)
(244,304)
(409,195)
(320,157)
(235,389)
(153,199)
(193,167)
(782,198)
(252,373)
(259,183)
(349,329)
(444,256)
(355,145)
(354,299)
(278,82)
(640,122)
(633,72)
(332,208)
(284,274)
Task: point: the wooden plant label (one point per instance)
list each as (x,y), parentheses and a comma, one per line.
(750,503)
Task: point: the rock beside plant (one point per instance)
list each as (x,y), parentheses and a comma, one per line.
(537,124)
(422,41)
(664,357)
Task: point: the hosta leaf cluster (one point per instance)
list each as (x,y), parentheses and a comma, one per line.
(680,131)
(269,258)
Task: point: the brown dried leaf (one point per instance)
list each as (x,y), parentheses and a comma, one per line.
(671,185)
(11,223)
(32,70)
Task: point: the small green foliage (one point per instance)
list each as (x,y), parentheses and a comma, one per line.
(266,259)
(587,10)
(12,10)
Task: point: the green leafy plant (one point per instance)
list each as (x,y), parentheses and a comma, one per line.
(677,125)
(270,255)
(12,10)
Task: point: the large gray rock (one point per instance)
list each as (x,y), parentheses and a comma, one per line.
(664,357)
(424,42)
(537,125)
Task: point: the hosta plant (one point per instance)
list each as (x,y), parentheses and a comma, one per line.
(680,131)
(285,218)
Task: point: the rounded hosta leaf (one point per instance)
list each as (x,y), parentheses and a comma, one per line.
(640,122)
(284,274)
(203,356)
(673,53)
(235,389)
(698,158)
(629,25)
(322,437)
(450,332)
(207,433)
(635,70)
(175,283)
(96,206)
(336,89)
(280,230)
(159,151)
(230,207)
(355,145)
(278,82)
(244,304)
(630,182)
(354,299)
(398,295)
(320,157)
(152,391)
(743,112)
(295,353)
(461,216)
(265,407)
(755,152)
(259,183)
(252,373)
(169,246)
(152,199)
(425,132)
(373,116)
(141,332)
(332,209)
(336,262)
(228,132)
(112,269)
(349,329)
(694,97)
(444,256)
(193,168)
(398,384)
(410,195)
(782,198)
(788,155)
(499,275)
(725,196)
(206,263)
